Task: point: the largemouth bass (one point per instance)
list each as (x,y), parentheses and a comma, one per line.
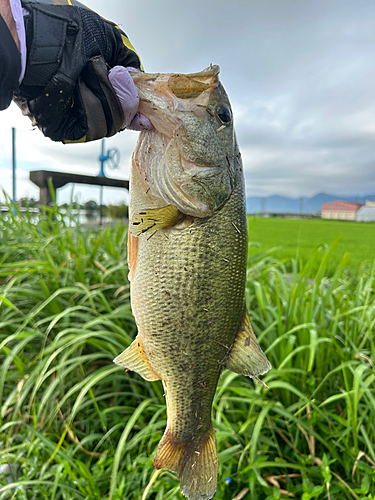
(187,252)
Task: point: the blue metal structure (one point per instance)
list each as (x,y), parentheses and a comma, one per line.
(102,158)
(112,155)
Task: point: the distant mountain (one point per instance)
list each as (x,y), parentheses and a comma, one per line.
(258,204)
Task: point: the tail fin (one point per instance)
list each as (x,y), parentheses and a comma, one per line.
(199,475)
(170,454)
(195,462)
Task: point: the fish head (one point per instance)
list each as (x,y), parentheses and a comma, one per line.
(193,126)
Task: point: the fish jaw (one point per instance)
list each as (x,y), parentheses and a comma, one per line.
(192,167)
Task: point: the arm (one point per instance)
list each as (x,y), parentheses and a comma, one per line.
(6,14)
(10,59)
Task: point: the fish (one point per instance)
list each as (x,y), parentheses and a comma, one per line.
(187,254)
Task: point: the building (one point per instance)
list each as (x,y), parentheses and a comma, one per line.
(339,209)
(366,213)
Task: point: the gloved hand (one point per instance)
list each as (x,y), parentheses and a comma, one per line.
(127,93)
(66,90)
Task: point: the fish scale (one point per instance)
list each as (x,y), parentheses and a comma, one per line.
(201,248)
(188,271)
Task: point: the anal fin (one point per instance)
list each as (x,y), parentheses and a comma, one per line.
(134,358)
(246,357)
(154,218)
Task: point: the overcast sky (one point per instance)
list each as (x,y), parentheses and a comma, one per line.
(300,75)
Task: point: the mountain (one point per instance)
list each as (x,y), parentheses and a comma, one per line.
(276,203)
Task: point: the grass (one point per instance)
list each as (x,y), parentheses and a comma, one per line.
(297,238)
(76,427)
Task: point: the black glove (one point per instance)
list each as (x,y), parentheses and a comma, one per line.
(66,91)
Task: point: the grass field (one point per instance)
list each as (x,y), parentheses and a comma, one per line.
(74,426)
(298,237)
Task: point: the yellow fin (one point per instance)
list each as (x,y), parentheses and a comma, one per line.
(246,357)
(195,462)
(170,453)
(154,218)
(134,358)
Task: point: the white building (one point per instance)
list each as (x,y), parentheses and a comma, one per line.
(366,213)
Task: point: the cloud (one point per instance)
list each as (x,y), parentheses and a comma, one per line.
(299,73)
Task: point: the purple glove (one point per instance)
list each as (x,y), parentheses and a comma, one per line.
(127,93)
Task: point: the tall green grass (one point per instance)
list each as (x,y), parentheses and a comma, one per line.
(76,427)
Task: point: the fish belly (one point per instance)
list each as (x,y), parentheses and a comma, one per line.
(187,295)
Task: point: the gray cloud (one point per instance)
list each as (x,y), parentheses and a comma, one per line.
(300,75)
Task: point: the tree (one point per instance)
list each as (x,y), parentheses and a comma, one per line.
(117,211)
(27,202)
(91,208)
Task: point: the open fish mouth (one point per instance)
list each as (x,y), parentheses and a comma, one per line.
(183,84)
(161,95)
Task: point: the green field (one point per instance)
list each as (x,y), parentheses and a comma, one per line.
(74,426)
(298,237)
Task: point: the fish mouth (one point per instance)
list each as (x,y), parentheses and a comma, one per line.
(162,94)
(211,72)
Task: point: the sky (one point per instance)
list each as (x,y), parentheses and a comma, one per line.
(300,75)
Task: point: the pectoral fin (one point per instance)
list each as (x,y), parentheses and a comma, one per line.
(134,358)
(154,218)
(246,357)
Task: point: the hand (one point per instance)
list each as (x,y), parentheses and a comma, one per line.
(66,90)
(127,93)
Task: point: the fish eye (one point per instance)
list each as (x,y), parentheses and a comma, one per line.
(224,113)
